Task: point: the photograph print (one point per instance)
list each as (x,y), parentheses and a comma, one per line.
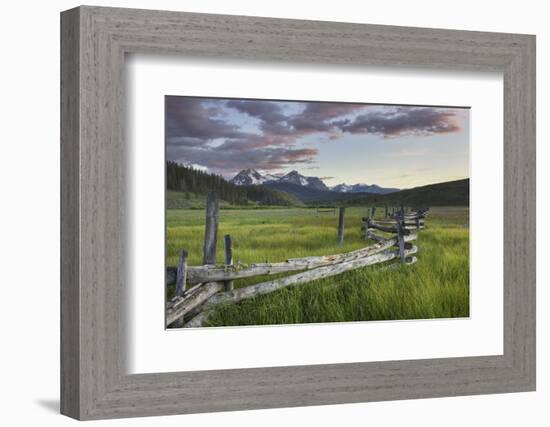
(301,212)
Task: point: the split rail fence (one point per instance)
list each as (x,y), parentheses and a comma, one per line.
(199,289)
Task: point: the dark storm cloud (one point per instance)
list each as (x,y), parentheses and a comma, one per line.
(268,112)
(403,121)
(317,116)
(190,118)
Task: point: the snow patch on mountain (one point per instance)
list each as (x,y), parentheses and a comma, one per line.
(363,188)
(253,177)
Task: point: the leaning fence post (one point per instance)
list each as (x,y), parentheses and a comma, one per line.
(373,212)
(211,229)
(341,214)
(181,275)
(228,259)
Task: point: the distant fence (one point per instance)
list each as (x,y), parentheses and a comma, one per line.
(201,288)
(326,210)
(388,211)
(401,223)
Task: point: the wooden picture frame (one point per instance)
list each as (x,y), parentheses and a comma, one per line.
(94,382)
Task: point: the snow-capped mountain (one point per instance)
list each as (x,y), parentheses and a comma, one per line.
(305,181)
(252,177)
(363,188)
(343,188)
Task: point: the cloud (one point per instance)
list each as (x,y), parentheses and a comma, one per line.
(217,133)
(190,118)
(415,121)
(267,111)
(233,160)
(192,125)
(317,116)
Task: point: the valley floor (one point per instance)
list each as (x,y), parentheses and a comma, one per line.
(437,286)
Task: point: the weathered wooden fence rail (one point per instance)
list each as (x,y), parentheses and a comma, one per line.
(212,285)
(217,273)
(402,224)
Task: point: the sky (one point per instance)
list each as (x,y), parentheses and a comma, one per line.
(389,145)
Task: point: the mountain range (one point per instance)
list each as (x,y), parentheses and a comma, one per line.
(363,188)
(253,177)
(188,188)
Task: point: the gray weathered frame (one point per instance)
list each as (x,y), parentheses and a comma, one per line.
(94,41)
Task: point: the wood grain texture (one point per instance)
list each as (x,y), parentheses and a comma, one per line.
(180,306)
(211,229)
(228,255)
(70,292)
(341,219)
(215,273)
(177,307)
(306,277)
(181,273)
(94,381)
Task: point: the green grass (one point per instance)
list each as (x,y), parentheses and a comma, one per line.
(437,286)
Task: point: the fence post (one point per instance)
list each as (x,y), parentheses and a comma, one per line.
(385,211)
(400,237)
(181,275)
(341,214)
(228,259)
(367,226)
(373,212)
(211,229)
(181,279)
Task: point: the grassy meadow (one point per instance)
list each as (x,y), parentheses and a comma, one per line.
(437,286)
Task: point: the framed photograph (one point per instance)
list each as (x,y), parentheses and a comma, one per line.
(262,213)
(241,168)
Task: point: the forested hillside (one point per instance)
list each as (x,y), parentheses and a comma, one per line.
(187,180)
(190,180)
(452,193)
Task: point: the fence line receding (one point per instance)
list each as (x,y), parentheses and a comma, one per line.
(199,289)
